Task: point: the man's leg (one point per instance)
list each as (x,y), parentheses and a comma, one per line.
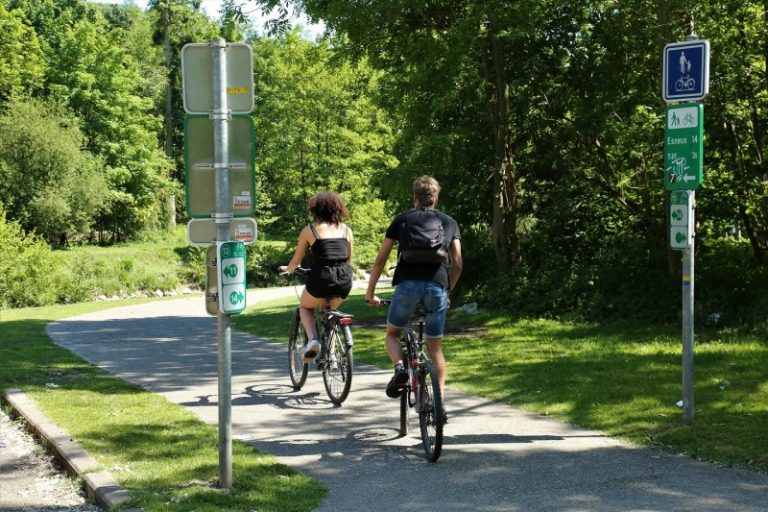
(393,344)
(435,347)
(400,377)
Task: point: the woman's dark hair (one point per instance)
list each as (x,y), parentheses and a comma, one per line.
(327,206)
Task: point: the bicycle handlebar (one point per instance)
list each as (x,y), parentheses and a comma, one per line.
(299,271)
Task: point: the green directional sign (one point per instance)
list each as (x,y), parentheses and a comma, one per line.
(231,274)
(684,147)
(680,220)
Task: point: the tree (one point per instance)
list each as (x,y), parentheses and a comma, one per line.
(22,65)
(317,128)
(48,184)
(91,73)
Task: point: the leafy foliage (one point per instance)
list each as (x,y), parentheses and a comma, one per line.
(317,129)
(27,267)
(48,184)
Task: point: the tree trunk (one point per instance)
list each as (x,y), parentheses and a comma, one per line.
(665,36)
(171,202)
(505,241)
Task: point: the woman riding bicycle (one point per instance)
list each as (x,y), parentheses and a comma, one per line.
(330,278)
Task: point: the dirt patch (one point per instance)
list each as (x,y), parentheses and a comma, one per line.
(29,478)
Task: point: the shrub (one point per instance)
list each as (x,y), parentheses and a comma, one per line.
(27,267)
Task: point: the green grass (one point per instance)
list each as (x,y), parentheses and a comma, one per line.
(161,453)
(619,378)
(164,263)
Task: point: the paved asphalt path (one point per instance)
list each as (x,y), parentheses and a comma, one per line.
(495,458)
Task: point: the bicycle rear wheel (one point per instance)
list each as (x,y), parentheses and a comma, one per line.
(430,405)
(337,369)
(297,338)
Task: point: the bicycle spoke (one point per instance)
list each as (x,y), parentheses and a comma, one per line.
(337,371)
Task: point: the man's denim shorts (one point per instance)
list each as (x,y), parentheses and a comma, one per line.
(408,295)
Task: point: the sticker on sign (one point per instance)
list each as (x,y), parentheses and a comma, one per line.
(683,117)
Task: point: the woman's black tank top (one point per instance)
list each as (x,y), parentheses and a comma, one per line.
(330,274)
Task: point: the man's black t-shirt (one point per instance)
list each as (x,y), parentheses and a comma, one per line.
(437,272)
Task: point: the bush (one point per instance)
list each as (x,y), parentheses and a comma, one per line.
(263,260)
(28,267)
(731,286)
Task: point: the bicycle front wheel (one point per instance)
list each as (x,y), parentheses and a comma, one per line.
(404,406)
(431,417)
(297,338)
(337,370)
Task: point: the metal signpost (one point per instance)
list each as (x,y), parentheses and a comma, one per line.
(685,78)
(217,80)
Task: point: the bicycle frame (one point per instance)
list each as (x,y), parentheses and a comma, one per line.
(334,360)
(422,390)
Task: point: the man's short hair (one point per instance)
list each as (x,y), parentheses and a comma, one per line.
(426,190)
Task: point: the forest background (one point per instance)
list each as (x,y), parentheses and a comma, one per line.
(543,122)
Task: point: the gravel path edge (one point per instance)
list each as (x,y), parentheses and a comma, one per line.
(99,484)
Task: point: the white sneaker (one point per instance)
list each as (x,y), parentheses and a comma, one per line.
(313,347)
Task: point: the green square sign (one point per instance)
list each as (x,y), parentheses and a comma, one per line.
(680,220)
(684,147)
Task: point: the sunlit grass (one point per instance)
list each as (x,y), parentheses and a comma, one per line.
(623,379)
(161,453)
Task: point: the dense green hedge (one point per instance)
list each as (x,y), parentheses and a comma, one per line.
(731,290)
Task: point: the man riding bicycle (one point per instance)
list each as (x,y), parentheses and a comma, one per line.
(429,265)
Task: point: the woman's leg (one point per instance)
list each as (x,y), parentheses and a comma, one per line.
(307,312)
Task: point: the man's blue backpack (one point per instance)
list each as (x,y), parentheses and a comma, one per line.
(421,237)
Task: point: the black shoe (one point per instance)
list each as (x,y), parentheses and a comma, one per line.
(396,383)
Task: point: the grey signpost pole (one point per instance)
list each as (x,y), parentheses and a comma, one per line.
(685,79)
(688,323)
(220,116)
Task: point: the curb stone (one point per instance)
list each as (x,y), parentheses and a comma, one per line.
(99,485)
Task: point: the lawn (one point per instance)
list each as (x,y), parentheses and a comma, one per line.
(623,379)
(161,453)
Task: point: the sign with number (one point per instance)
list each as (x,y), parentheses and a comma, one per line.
(684,147)
(680,220)
(197,73)
(686,71)
(230,266)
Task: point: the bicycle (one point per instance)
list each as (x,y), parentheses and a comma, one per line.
(422,391)
(334,360)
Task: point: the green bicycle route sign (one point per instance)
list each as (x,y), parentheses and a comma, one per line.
(231,276)
(684,147)
(680,217)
